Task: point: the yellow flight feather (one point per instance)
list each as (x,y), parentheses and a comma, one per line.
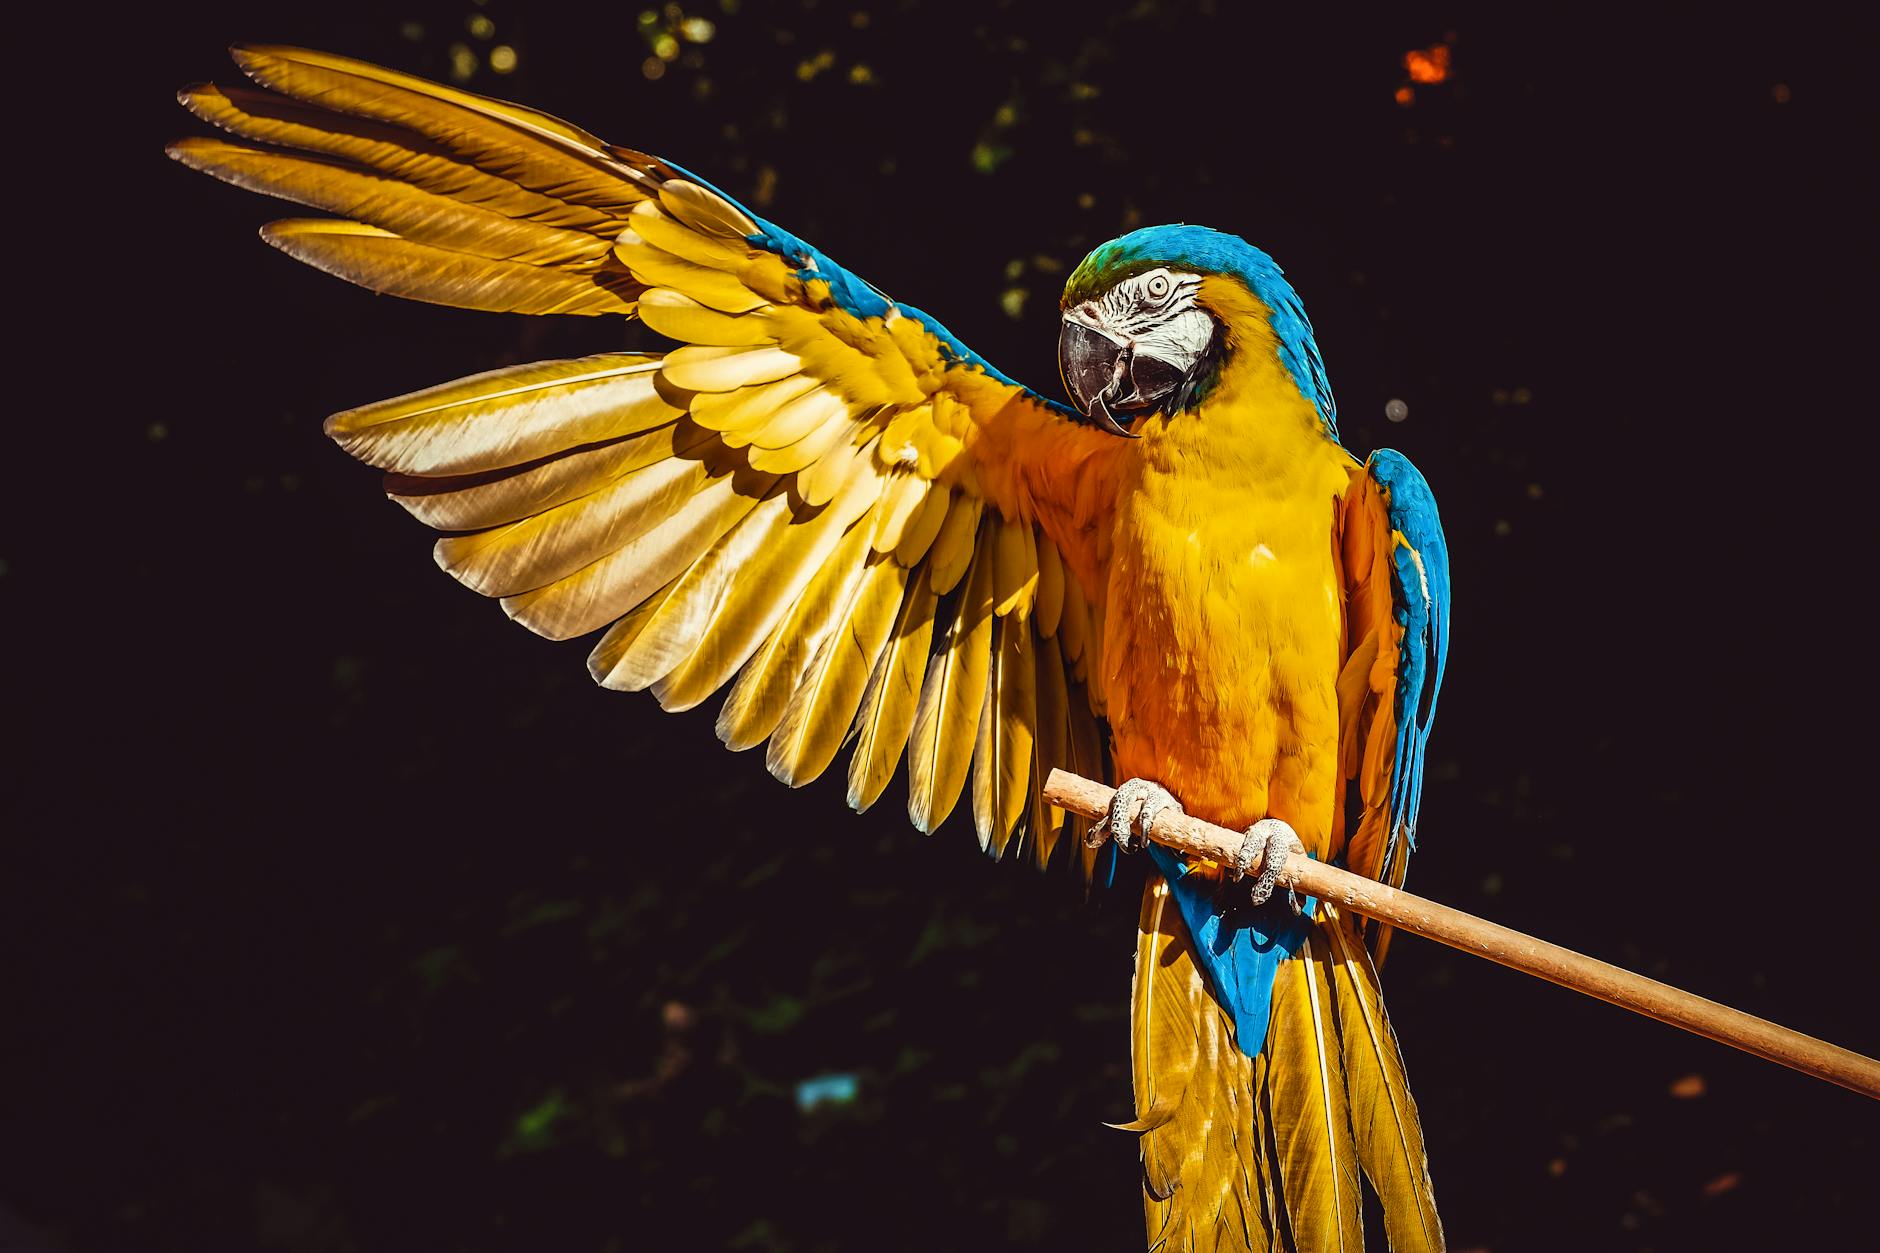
(894,692)
(824,706)
(469,502)
(905,494)
(596,594)
(389,204)
(946,723)
(541,153)
(751,586)
(553,544)
(1002,755)
(846,458)
(1051,746)
(1049,608)
(394,266)
(390,150)
(506,418)
(954,547)
(619,637)
(1015,568)
(764,687)
(924,528)
(742,409)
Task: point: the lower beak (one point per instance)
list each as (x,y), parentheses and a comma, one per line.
(1094,369)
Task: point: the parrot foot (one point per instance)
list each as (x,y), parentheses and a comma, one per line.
(1133,810)
(1272,841)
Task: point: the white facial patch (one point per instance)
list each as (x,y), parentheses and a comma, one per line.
(1157,311)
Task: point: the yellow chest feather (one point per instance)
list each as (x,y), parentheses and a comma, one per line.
(1224,620)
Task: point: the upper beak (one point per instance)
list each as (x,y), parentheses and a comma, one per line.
(1095,369)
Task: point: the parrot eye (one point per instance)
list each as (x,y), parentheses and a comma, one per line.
(1158,286)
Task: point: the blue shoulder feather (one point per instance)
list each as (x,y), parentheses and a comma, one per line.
(858,296)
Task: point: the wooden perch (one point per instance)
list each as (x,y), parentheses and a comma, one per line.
(1499,944)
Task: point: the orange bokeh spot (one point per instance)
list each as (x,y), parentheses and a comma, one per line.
(1430,65)
(1405,96)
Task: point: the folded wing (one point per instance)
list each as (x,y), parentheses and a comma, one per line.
(1396,568)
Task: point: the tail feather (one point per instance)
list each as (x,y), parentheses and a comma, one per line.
(1270,1152)
(1384,1116)
(1207,1177)
(1308,1104)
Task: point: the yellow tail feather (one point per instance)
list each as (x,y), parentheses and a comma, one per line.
(1384,1117)
(1208,1179)
(1265,1153)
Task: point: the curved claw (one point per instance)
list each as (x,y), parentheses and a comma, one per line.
(1272,841)
(1133,811)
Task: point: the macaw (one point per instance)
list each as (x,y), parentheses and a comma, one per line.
(825,502)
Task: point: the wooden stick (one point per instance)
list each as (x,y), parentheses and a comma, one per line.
(1565,967)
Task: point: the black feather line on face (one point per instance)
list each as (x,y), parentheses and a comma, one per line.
(1205,376)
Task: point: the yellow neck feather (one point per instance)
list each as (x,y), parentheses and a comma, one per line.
(1255,428)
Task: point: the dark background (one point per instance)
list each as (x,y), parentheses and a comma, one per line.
(343,915)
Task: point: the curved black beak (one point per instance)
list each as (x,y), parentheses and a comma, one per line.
(1095,370)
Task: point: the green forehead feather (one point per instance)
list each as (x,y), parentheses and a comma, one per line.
(1102,270)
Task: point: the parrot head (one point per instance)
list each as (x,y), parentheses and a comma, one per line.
(1151,319)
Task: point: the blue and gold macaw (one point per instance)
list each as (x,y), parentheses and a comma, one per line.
(825,502)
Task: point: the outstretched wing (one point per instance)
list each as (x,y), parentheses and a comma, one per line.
(822,499)
(1397,577)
